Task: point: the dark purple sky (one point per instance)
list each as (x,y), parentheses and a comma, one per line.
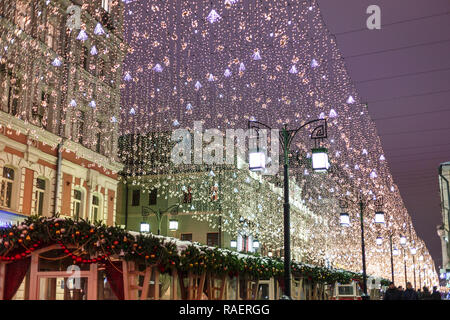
(403,73)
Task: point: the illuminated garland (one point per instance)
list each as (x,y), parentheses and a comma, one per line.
(18,242)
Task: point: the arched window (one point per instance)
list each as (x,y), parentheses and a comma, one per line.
(40,196)
(77,208)
(6,187)
(96,214)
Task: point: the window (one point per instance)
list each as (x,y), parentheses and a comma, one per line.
(85,58)
(40,194)
(212,239)
(13,99)
(77,209)
(23,15)
(152,197)
(106,4)
(136,197)
(9,91)
(50,36)
(95,208)
(215,192)
(186,237)
(99,137)
(38,112)
(100,67)
(187,198)
(6,187)
(80,132)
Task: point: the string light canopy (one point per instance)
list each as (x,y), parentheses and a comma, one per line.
(226,62)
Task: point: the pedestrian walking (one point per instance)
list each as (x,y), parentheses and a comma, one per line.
(436,295)
(410,293)
(392,293)
(426,295)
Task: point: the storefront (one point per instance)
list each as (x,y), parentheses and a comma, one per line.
(9,218)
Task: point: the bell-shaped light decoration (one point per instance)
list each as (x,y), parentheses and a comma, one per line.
(145,227)
(379,217)
(233,243)
(413,251)
(256,160)
(345,219)
(402,240)
(320,160)
(173,225)
(379,241)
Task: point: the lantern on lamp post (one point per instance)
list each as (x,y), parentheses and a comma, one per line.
(145,227)
(319,160)
(345,219)
(402,240)
(173,225)
(379,241)
(255,244)
(256,160)
(379,217)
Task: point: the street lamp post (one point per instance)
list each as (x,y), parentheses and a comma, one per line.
(413,253)
(173,224)
(404,261)
(392,257)
(379,218)
(320,164)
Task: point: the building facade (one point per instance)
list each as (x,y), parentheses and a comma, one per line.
(60,67)
(443,229)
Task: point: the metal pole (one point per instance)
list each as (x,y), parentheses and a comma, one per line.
(287,231)
(361,206)
(392,259)
(404,261)
(414,270)
(420,280)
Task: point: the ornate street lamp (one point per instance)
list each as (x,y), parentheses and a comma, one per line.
(172,210)
(233,243)
(363,203)
(320,163)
